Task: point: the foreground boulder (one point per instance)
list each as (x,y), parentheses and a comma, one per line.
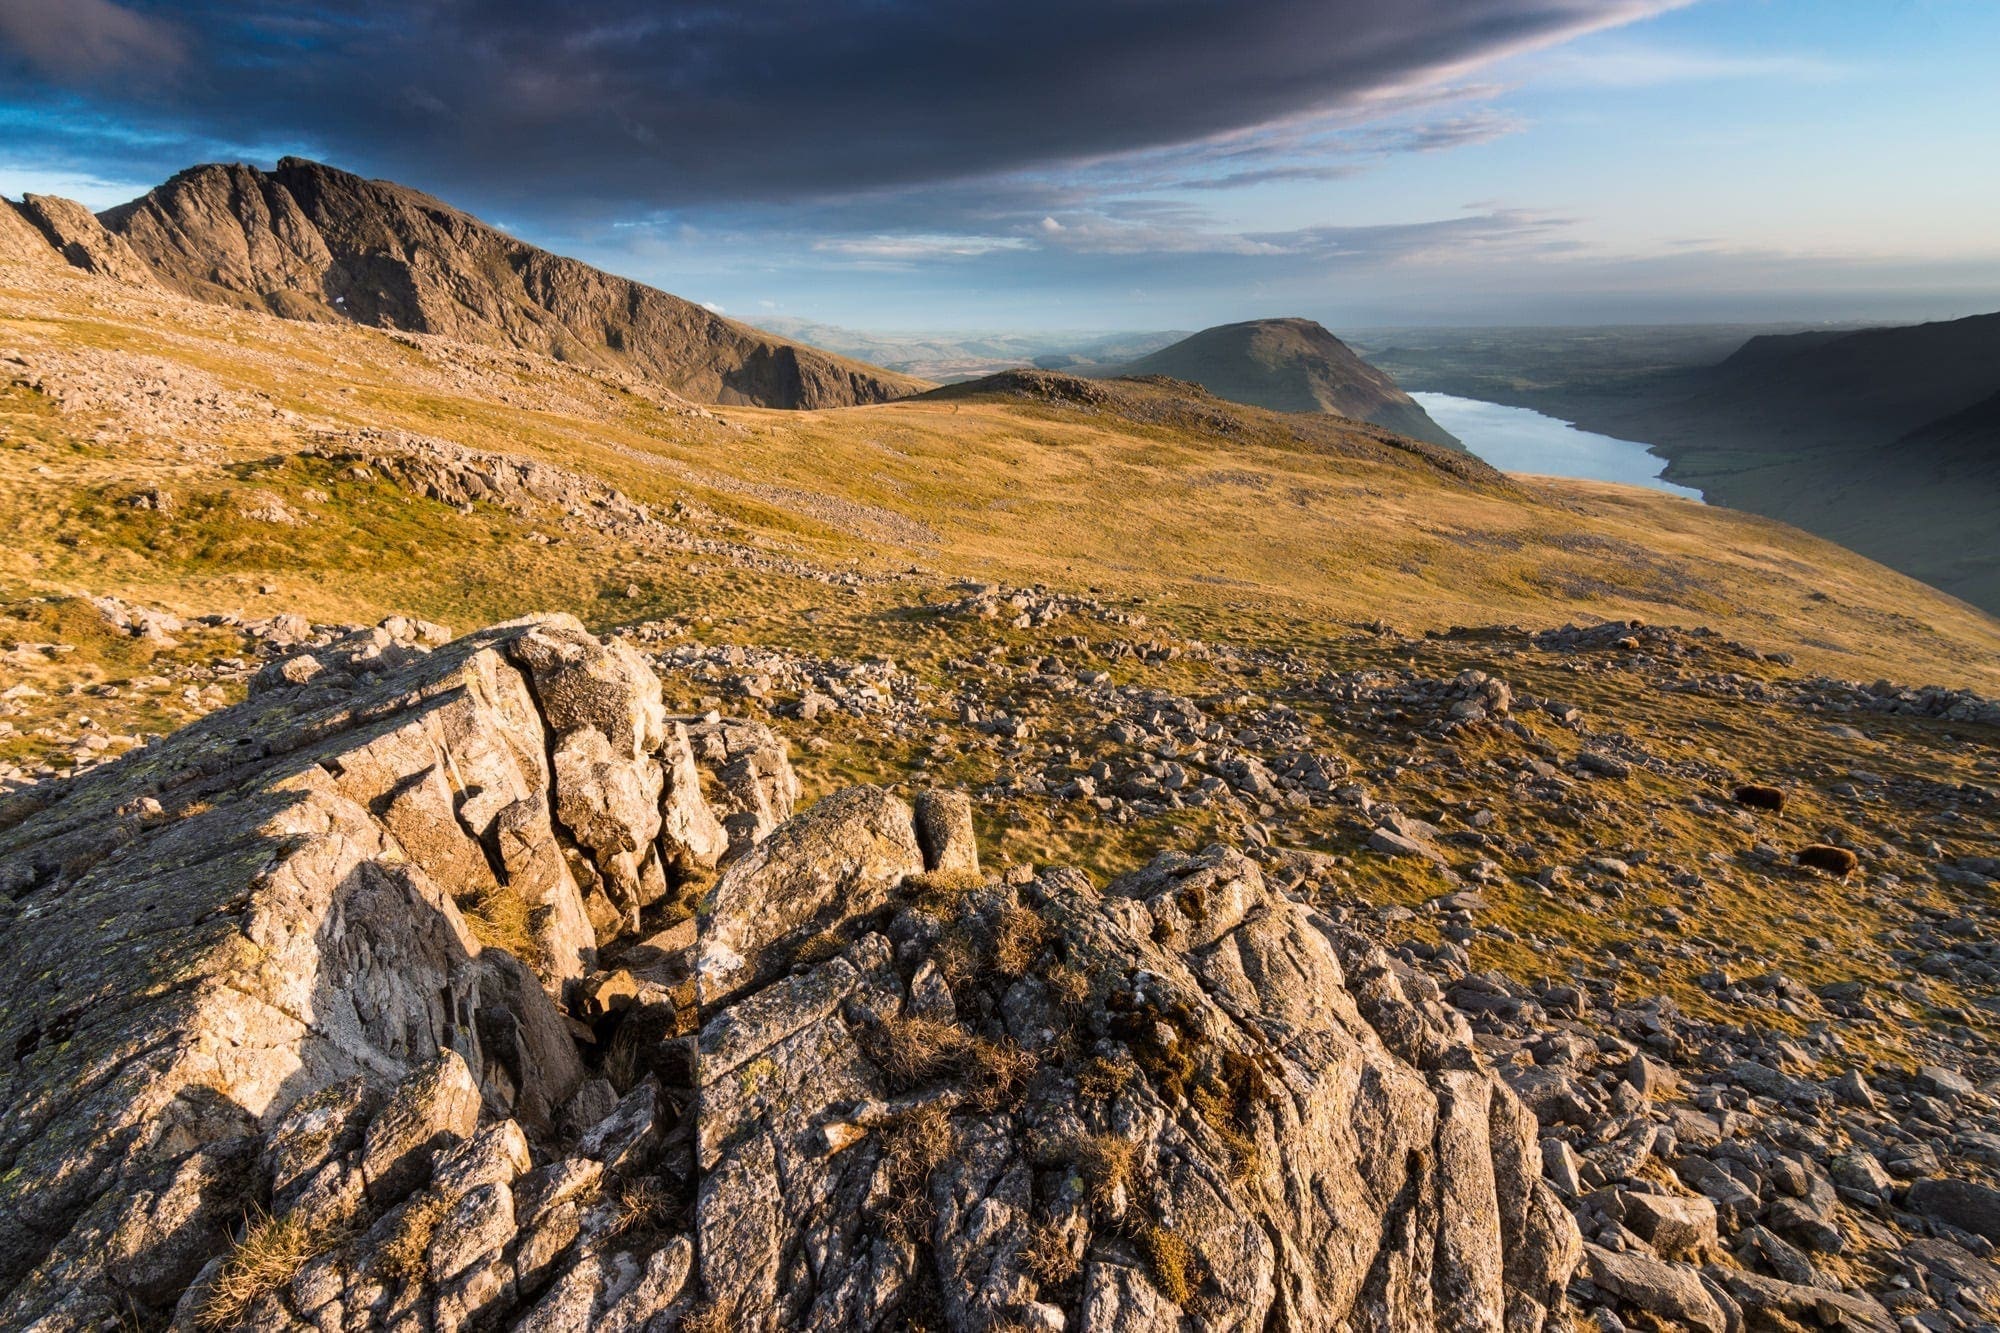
(292,893)
(365,1004)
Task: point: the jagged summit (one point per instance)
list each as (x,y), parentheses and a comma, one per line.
(1291,365)
(309,242)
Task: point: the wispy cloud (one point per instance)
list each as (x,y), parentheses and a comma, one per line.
(917,247)
(1639,66)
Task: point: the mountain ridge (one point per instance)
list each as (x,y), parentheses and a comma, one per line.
(309,242)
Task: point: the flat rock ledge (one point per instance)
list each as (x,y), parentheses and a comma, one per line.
(463,987)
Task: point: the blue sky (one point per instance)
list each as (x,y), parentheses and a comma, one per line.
(1110,165)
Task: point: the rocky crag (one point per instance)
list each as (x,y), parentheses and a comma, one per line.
(378,1000)
(308,242)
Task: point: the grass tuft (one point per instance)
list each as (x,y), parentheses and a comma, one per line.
(914,1145)
(914,1051)
(269,1254)
(1175,1266)
(499,919)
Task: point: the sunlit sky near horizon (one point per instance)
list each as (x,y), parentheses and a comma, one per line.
(1102,164)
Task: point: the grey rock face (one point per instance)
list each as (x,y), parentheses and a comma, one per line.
(286,895)
(837,861)
(944,827)
(1212,1129)
(750,781)
(21,241)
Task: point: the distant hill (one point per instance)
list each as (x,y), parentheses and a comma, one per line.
(1867,387)
(308,242)
(1290,365)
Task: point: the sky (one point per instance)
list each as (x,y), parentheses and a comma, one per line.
(1100,164)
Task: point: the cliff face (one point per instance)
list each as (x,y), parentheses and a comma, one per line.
(308,242)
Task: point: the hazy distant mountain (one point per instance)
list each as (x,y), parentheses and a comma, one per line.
(1865,388)
(1290,365)
(952,356)
(309,242)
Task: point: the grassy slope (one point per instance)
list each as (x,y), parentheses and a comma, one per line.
(1244,535)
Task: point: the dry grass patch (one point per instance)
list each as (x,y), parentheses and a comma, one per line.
(642,1205)
(270,1253)
(499,919)
(914,1051)
(1050,1256)
(943,886)
(1106,1163)
(1018,937)
(913,1146)
(1069,986)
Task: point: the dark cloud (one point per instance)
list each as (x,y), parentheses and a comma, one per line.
(524,103)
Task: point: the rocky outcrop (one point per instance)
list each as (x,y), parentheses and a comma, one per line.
(83,241)
(305,241)
(1186,1098)
(366,1003)
(21,242)
(303,890)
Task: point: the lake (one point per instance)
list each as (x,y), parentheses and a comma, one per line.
(1520,439)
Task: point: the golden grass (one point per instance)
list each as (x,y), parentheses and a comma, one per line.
(268,1255)
(499,919)
(1175,1266)
(1266,537)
